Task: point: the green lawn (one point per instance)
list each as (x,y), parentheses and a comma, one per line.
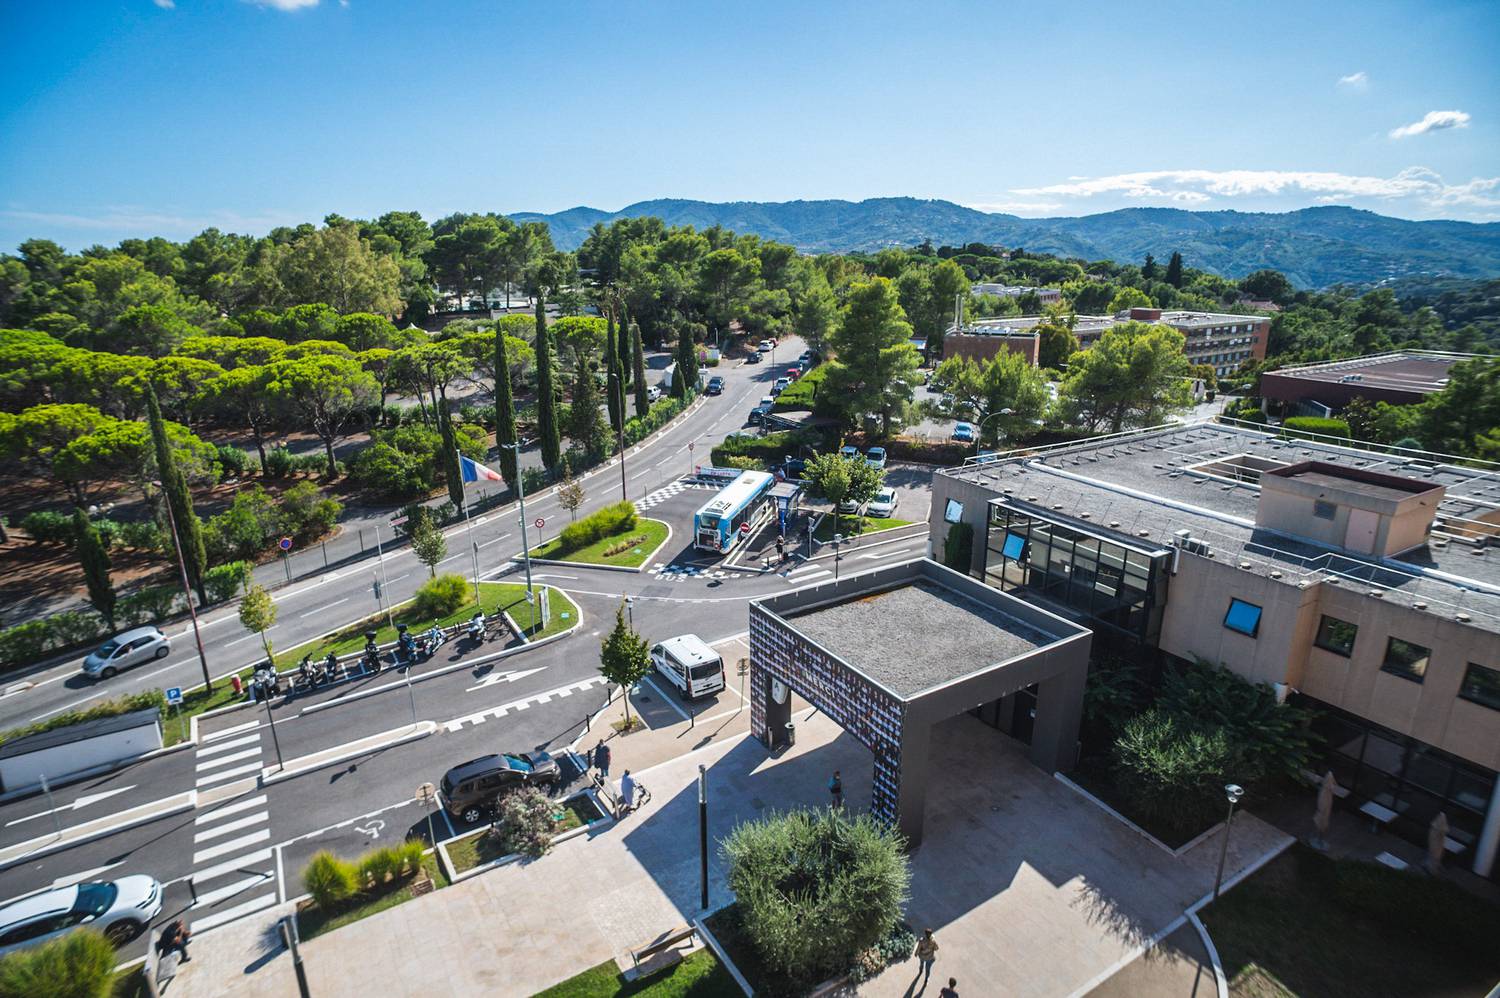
(852,526)
(198,701)
(699,975)
(508,596)
(480,847)
(647,536)
(313,921)
(1307,925)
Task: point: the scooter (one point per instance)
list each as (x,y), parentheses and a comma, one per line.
(307,677)
(330,668)
(264,683)
(475,629)
(371,660)
(429,643)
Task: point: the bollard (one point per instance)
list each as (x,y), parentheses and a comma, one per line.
(237,684)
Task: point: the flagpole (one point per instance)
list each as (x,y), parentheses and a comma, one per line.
(521,496)
(469,529)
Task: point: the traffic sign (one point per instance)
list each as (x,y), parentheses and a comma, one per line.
(540,523)
(690,445)
(285,544)
(174,695)
(426,794)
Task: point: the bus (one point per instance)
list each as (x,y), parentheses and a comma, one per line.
(717,526)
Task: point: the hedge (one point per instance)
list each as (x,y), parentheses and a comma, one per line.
(1302,426)
(222,582)
(805,392)
(772,448)
(614,519)
(26,642)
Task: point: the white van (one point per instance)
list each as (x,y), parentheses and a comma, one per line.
(688,663)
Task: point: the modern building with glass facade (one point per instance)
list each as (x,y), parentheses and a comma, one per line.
(1361,583)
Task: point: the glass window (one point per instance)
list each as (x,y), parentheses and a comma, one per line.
(954,511)
(1243,617)
(1336,635)
(1324,510)
(1407,660)
(1481,685)
(1014,545)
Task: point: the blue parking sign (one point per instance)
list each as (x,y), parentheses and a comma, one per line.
(174,695)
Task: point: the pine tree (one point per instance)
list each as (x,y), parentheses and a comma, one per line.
(95,561)
(1174,270)
(585,424)
(611,375)
(175,491)
(505,412)
(642,402)
(546,403)
(1148,269)
(452,472)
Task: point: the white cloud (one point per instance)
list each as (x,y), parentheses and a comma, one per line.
(1432,121)
(284,4)
(134,219)
(165,4)
(1355,81)
(1015,207)
(1196,187)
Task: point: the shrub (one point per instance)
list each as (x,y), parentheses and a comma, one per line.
(742,462)
(143,535)
(409,854)
(223,581)
(816,888)
(1302,426)
(48,527)
(24,643)
(662,412)
(770,449)
(78,965)
(243,530)
(306,513)
(329,880)
(147,606)
(438,597)
(1267,738)
(382,469)
(233,461)
(958,547)
(1171,771)
(279,463)
(377,866)
(613,519)
(534,479)
(524,822)
(112,707)
(805,392)
(74,627)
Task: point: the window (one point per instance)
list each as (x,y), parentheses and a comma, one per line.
(1243,617)
(954,511)
(1336,635)
(1481,685)
(1324,510)
(1014,545)
(1404,659)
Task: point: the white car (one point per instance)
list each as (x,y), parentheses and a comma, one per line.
(120,909)
(875,457)
(126,649)
(653,393)
(884,503)
(766,346)
(780,385)
(849,452)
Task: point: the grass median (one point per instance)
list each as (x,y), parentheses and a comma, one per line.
(699,975)
(855,526)
(625,549)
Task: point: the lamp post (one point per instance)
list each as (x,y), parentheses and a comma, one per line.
(837,540)
(630,610)
(979,430)
(208,683)
(521,496)
(1233,792)
(703,832)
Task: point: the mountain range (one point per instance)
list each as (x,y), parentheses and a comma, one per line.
(1314,247)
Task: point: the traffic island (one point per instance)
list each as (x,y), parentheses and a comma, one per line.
(630,549)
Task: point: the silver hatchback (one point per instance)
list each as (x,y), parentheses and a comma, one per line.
(127,649)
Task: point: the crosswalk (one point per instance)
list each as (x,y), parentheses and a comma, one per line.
(818,571)
(493,713)
(666,492)
(232,858)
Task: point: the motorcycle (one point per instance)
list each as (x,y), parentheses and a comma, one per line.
(429,643)
(265,683)
(476,628)
(330,668)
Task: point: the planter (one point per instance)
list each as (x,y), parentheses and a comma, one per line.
(450,866)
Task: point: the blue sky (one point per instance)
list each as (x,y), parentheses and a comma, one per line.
(138,117)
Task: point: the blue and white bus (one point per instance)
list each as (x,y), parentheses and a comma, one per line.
(717,526)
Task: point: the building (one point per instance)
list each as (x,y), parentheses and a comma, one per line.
(1047,296)
(1364,584)
(980,344)
(1221,340)
(1401,377)
(845,646)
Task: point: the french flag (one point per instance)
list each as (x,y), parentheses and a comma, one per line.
(473,471)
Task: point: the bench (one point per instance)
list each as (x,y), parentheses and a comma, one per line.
(1379,814)
(1394,862)
(661,952)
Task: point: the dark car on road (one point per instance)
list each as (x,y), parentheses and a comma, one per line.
(715,385)
(472,789)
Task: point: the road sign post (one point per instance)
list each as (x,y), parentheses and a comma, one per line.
(286,545)
(426,796)
(174,700)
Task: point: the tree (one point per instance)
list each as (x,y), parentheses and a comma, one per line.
(452,470)
(334,266)
(570,492)
(638,352)
(258,615)
(585,423)
(505,413)
(1174,270)
(78,964)
(612,393)
(1148,269)
(817,314)
(1271,285)
(1128,298)
(427,541)
(239,396)
(1057,344)
(176,494)
(1136,372)
(685,380)
(875,363)
(152,330)
(546,403)
(95,562)
(1005,395)
(624,657)
(326,391)
(840,479)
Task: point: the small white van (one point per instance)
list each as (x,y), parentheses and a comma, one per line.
(689,664)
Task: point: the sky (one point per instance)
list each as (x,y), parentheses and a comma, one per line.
(163,117)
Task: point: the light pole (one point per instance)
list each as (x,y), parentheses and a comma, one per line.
(208,683)
(1233,792)
(521,496)
(837,540)
(979,430)
(630,610)
(703,832)
(621,435)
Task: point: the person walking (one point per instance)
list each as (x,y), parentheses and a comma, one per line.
(174,937)
(627,791)
(601,758)
(927,948)
(951,991)
(780,548)
(836,790)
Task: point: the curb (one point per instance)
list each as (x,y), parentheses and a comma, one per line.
(608,568)
(185,801)
(353,750)
(713,944)
(1220,980)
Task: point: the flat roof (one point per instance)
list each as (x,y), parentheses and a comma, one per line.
(917,636)
(1372,484)
(1403,371)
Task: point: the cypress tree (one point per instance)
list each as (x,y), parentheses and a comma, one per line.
(546,402)
(95,561)
(585,425)
(1174,270)
(452,472)
(611,375)
(505,412)
(622,354)
(1148,269)
(175,491)
(687,363)
(642,403)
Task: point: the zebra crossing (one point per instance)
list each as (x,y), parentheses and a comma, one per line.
(666,492)
(666,572)
(807,573)
(493,713)
(232,857)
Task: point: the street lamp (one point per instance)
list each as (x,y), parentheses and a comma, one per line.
(837,540)
(703,832)
(1232,792)
(630,610)
(979,430)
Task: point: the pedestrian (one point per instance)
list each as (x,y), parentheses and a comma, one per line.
(174,937)
(601,758)
(836,789)
(627,790)
(951,991)
(780,548)
(927,948)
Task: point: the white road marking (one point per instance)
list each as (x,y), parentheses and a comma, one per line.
(320,609)
(220,893)
(504,677)
(225,774)
(225,848)
(229,915)
(249,753)
(78,878)
(248,725)
(229,866)
(214,831)
(228,809)
(233,743)
(84,801)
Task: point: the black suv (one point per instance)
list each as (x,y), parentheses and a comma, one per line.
(471,789)
(715,385)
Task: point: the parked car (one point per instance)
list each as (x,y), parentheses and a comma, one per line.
(963,432)
(849,451)
(780,386)
(125,650)
(753,358)
(653,393)
(766,346)
(794,372)
(471,789)
(875,457)
(849,507)
(715,386)
(120,909)
(884,503)
(807,359)
(759,413)
(792,467)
